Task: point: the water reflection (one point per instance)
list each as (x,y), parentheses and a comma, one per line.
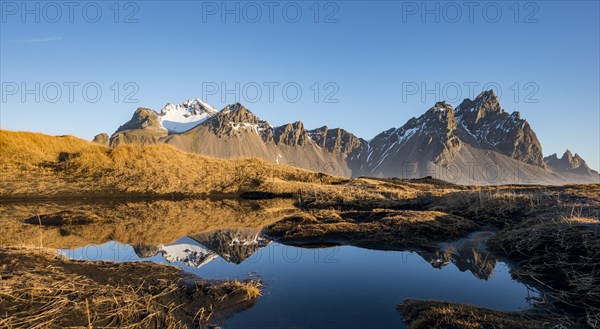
(341,286)
(468,254)
(233,245)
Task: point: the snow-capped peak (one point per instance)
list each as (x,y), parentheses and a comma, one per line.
(185,116)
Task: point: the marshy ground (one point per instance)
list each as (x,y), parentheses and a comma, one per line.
(551,234)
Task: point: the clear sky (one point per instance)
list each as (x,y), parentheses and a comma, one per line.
(360,65)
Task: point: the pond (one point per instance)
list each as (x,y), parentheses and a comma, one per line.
(331,286)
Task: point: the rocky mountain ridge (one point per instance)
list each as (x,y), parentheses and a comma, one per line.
(475,143)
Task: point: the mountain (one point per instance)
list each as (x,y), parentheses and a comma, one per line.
(497,130)
(233,244)
(185,250)
(102,139)
(148,127)
(476,143)
(144,128)
(569,164)
(235,132)
(337,140)
(430,140)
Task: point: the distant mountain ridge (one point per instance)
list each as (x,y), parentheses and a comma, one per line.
(475,143)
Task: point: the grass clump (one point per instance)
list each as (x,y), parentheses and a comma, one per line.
(433,314)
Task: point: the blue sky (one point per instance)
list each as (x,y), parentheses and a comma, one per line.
(369,61)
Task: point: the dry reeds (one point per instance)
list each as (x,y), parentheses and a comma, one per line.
(562,256)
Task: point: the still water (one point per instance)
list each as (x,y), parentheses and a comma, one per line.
(329,287)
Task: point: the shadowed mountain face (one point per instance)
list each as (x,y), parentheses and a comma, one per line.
(497,130)
(476,143)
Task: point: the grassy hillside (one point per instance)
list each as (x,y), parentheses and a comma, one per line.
(34,164)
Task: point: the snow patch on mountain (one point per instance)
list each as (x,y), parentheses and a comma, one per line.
(188,252)
(185,116)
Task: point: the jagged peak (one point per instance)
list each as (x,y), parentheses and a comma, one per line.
(234,107)
(486,101)
(290,126)
(237,112)
(440,111)
(290,134)
(568,161)
(567,155)
(442,106)
(144,111)
(487,94)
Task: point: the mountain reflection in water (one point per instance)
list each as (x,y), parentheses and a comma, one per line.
(233,245)
(340,286)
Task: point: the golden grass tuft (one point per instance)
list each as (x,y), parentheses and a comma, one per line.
(582,220)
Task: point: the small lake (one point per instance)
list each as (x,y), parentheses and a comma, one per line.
(330,287)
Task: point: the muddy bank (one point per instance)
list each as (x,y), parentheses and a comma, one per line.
(38,289)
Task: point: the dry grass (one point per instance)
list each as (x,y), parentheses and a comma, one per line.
(38,290)
(561,256)
(35,164)
(432,314)
(551,231)
(377,228)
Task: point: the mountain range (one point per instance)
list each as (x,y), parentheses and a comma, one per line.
(477,142)
(233,245)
